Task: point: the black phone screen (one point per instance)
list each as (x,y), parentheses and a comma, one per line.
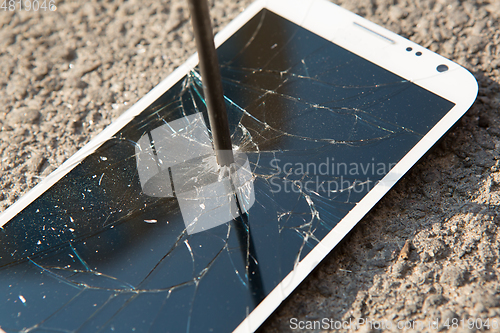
(114,245)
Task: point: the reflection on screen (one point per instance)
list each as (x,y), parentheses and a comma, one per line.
(116,245)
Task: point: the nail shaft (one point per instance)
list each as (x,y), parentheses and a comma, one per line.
(212,82)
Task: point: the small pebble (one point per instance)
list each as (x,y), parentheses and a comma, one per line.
(453,276)
(405,251)
(483,122)
(23,115)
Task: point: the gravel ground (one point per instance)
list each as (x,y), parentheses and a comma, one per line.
(67,74)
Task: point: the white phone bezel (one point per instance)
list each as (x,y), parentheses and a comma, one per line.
(354,33)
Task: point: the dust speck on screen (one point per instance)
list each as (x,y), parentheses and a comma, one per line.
(145,235)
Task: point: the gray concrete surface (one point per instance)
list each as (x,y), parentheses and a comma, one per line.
(65,75)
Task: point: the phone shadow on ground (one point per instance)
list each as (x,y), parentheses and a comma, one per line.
(446,199)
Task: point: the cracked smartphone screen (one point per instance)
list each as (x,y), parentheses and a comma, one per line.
(146,234)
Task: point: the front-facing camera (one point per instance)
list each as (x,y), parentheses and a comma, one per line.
(442,68)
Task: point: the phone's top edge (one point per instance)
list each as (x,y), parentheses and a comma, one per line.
(381,47)
(377,45)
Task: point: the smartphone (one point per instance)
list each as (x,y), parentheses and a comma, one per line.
(138,231)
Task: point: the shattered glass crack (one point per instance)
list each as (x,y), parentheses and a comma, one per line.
(318,125)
